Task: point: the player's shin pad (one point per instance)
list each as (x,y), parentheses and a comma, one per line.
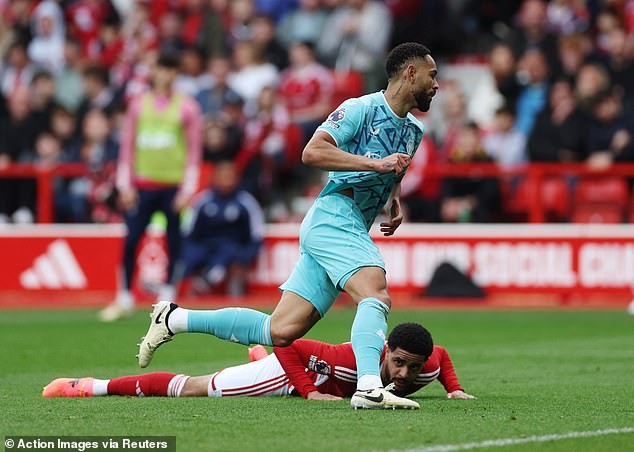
(245,326)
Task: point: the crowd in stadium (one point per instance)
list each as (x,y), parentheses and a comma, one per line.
(558,87)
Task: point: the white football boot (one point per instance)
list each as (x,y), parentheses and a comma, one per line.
(157,334)
(381,399)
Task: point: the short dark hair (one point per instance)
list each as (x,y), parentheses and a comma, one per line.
(402,54)
(99,73)
(412,338)
(169,60)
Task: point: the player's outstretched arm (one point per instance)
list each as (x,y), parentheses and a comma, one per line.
(448,377)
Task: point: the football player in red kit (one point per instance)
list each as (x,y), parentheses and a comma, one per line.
(312,369)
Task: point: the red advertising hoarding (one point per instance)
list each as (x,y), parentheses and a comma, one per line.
(51,259)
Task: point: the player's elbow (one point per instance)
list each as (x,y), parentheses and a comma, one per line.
(309,155)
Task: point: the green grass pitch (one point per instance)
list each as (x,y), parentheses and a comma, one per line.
(535,373)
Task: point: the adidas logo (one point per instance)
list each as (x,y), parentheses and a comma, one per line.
(57,268)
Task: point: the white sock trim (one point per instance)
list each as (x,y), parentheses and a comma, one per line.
(100,387)
(213,392)
(177,320)
(367,382)
(176,384)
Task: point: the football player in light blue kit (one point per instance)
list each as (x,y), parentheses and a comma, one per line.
(367,144)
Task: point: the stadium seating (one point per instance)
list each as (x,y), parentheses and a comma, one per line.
(600,200)
(554,193)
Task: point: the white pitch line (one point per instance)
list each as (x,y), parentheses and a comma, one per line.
(528,439)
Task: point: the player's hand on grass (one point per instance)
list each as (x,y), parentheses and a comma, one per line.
(316,395)
(459,395)
(396,218)
(395,163)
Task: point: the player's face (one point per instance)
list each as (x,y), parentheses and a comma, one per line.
(424,83)
(401,367)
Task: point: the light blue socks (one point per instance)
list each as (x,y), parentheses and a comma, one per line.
(242,325)
(368,339)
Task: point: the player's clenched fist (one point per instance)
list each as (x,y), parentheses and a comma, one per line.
(396,163)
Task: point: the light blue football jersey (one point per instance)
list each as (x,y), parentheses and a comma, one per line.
(368,126)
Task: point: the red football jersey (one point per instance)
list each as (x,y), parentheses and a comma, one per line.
(332,369)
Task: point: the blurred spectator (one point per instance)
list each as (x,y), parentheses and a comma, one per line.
(306,88)
(221,141)
(305,24)
(42,96)
(213,100)
(64,126)
(97,91)
(591,80)
(474,198)
(85,19)
(265,41)
(192,78)
(573,51)
(212,34)
(447,119)
(532,32)
(68,81)
(18,71)
(91,197)
(18,15)
(533,75)
(170,27)
(157,171)
(240,14)
(276,9)
(223,232)
(193,12)
(252,74)
(505,145)
(264,151)
(610,132)
(17,144)
(567,16)
(504,69)
(46,49)
(559,134)
(620,63)
(606,22)
(356,39)
(48,150)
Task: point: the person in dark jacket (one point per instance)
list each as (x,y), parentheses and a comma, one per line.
(223,232)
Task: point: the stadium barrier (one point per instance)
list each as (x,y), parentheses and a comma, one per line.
(534,193)
(49,264)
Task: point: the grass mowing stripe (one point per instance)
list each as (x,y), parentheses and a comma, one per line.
(530,439)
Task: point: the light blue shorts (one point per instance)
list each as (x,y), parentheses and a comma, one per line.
(333,245)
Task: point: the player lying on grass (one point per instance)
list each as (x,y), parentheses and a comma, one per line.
(315,370)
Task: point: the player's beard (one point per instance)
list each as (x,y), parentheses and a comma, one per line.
(423,101)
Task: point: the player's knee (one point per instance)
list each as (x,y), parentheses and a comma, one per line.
(381,295)
(284,336)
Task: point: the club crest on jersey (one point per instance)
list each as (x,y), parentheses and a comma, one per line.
(319,366)
(410,147)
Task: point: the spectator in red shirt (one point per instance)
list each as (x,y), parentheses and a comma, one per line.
(306,88)
(311,369)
